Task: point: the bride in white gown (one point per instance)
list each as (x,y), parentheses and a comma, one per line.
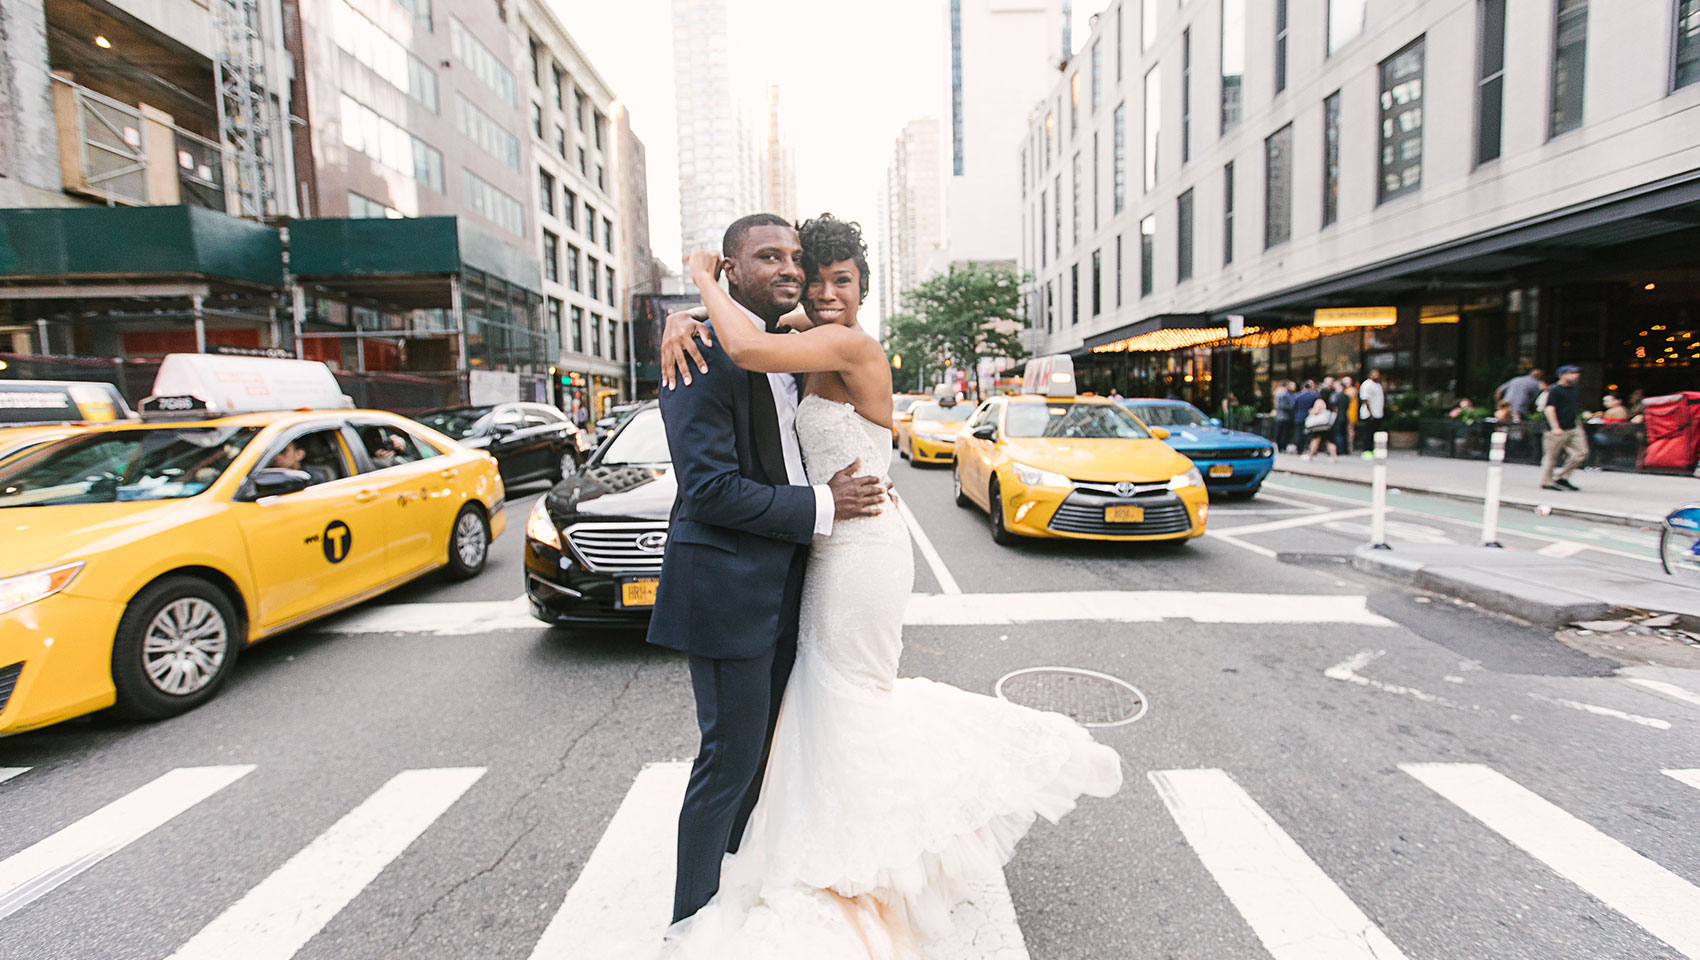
(887,802)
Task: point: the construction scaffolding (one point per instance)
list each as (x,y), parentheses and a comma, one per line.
(246,117)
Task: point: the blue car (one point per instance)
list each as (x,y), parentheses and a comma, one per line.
(1232,461)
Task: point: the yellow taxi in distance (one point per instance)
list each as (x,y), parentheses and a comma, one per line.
(928,433)
(142,557)
(900,404)
(1053,464)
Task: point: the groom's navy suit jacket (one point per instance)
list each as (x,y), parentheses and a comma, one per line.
(736,528)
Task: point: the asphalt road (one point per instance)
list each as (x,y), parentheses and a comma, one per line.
(1327,766)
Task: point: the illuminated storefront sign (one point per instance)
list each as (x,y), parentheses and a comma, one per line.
(1338,317)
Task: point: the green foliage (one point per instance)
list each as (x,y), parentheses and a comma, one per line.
(955,319)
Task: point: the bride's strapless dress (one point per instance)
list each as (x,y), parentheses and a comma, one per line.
(888,802)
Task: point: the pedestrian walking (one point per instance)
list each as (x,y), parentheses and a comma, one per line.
(1344,407)
(1302,402)
(1372,406)
(1283,410)
(1565,436)
(1319,428)
(1521,393)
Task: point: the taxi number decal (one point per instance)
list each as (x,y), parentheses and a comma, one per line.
(337,540)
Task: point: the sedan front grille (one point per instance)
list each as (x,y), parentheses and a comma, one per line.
(615,547)
(9,682)
(1216,453)
(1085,515)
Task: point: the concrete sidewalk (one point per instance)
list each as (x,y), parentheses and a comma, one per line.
(1636,499)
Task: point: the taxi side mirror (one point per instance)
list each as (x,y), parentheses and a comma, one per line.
(275,482)
(985,432)
(1160,433)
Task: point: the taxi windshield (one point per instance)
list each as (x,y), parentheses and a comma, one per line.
(459,423)
(120,466)
(901,404)
(938,411)
(1169,414)
(643,441)
(1072,421)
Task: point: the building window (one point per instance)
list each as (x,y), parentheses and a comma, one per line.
(1044,228)
(1401,122)
(569,207)
(365,208)
(1278,187)
(492,204)
(1050,308)
(1147,253)
(599,122)
(578,329)
(1076,186)
(1118,271)
(1186,95)
(1233,62)
(1331,158)
(1118,43)
(1097,282)
(1147,24)
(1569,62)
(479,127)
(1183,237)
(555,315)
(1153,119)
(1228,213)
(607,234)
(560,88)
(1097,74)
(1050,136)
(551,257)
(573,255)
(368,43)
(366,131)
(1280,45)
(1687,43)
(593,278)
(546,192)
(578,110)
(1074,104)
(1490,78)
(590,223)
(601,178)
(613,290)
(561,141)
(1057,222)
(956,88)
(583,167)
(1118,160)
(1097,181)
(613,339)
(486,66)
(595,335)
(537,119)
(1074,293)
(1346,20)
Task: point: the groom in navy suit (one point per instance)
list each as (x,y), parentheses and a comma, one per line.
(732,577)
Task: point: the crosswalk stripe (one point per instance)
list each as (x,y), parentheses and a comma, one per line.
(35,871)
(7,773)
(1668,689)
(277,917)
(623,898)
(1663,903)
(1288,901)
(1690,777)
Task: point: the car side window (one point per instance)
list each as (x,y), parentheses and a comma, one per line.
(388,446)
(318,453)
(543,414)
(535,419)
(509,416)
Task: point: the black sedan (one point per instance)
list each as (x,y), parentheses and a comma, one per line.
(530,441)
(593,544)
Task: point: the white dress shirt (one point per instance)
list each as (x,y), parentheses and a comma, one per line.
(1370,393)
(784,387)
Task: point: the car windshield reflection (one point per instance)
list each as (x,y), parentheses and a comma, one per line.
(643,442)
(1169,414)
(1072,421)
(459,423)
(121,466)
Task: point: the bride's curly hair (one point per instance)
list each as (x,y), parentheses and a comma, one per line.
(827,240)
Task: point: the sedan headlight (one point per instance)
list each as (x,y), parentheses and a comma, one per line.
(1034,477)
(1262,452)
(1191,478)
(541,527)
(27,588)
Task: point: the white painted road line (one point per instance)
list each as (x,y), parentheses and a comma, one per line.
(277,917)
(7,773)
(1690,777)
(1663,903)
(1600,711)
(1139,606)
(623,898)
(1309,519)
(1347,671)
(1232,541)
(36,870)
(1668,689)
(468,617)
(1287,900)
(1561,549)
(947,583)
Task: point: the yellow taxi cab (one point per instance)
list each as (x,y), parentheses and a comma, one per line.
(1051,463)
(35,410)
(142,557)
(900,404)
(928,433)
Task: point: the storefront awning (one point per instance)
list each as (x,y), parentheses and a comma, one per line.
(1166,331)
(79,248)
(406,262)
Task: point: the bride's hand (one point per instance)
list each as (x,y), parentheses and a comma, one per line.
(704,265)
(679,341)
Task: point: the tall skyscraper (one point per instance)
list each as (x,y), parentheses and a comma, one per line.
(910,245)
(781,162)
(721,168)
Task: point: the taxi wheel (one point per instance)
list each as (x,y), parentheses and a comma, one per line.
(175,645)
(1000,534)
(956,486)
(469,544)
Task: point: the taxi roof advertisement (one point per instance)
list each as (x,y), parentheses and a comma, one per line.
(248,384)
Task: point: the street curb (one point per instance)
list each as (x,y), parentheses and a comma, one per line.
(1637,520)
(1550,607)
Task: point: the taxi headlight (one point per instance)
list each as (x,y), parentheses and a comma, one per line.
(1191,478)
(27,588)
(1034,477)
(939,437)
(540,527)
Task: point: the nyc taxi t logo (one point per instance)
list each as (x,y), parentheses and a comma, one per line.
(336,541)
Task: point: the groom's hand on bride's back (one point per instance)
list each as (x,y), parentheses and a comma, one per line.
(679,352)
(854,496)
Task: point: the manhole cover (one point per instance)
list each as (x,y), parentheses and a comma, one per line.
(1088,698)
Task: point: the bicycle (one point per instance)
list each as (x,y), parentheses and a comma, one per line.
(1679,542)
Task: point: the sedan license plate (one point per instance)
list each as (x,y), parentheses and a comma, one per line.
(1221,470)
(1124,514)
(639,593)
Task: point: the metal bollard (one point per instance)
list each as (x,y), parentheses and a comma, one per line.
(1378,518)
(1495,481)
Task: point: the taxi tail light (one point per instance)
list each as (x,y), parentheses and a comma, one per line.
(27,588)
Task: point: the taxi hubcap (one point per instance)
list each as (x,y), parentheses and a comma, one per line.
(185,646)
(469,540)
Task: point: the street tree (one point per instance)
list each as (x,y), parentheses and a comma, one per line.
(956,318)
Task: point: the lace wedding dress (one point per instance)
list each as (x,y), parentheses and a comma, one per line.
(887,802)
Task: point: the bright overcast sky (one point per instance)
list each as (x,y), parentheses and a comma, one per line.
(851,75)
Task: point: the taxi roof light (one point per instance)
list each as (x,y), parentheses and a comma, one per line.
(192,385)
(1050,376)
